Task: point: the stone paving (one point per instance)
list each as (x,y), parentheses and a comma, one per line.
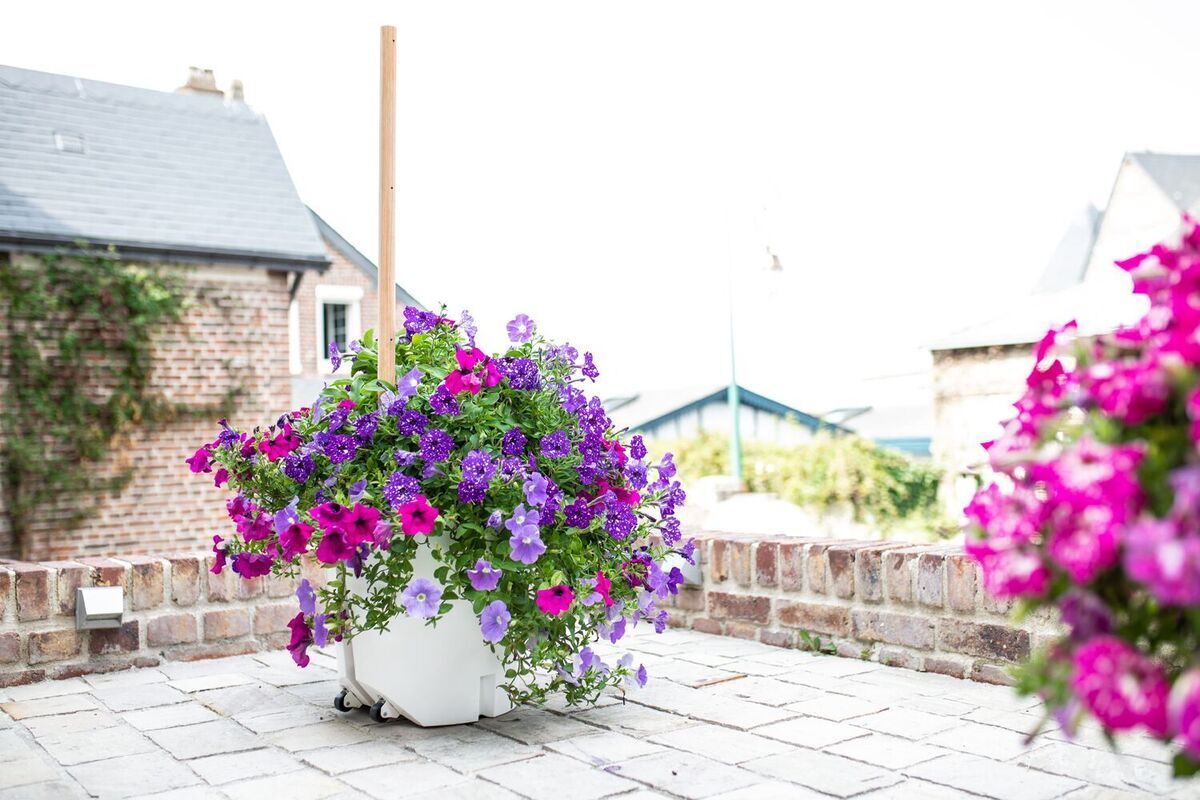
(725,718)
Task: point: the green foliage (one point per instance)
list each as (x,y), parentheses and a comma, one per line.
(76,363)
(881,487)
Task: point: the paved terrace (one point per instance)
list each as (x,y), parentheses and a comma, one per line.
(725,718)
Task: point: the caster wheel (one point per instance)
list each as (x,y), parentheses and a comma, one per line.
(339,702)
(377,712)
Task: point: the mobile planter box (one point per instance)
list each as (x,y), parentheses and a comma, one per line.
(477,523)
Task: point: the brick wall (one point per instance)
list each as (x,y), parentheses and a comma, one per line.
(234,334)
(340,273)
(919,606)
(175,609)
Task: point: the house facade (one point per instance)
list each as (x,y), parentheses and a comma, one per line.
(978,373)
(194,181)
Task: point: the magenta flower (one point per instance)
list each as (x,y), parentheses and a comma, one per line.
(330,515)
(294,540)
(360,526)
(301,639)
(1164,554)
(201,460)
(421,598)
(555,600)
(218,555)
(1121,687)
(1184,709)
(335,547)
(484,577)
(1085,543)
(417,516)
(252,565)
(493,621)
(603,587)
(520,329)
(475,371)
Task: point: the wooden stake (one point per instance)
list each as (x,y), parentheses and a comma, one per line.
(386,331)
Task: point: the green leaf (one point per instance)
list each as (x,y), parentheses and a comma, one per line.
(1183,766)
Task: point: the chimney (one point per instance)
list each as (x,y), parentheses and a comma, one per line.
(237,93)
(201,81)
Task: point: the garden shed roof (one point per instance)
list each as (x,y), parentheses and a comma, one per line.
(165,175)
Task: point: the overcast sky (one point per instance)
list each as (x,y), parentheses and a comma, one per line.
(607,167)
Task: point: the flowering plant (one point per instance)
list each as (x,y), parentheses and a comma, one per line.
(1096,511)
(535,512)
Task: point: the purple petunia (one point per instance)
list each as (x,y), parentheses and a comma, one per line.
(589,367)
(619,521)
(418,321)
(535,489)
(401,489)
(365,426)
(299,467)
(335,356)
(337,446)
(513,443)
(579,513)
(637,447)
(442,402)
(320,632)
(484,577)
(522,373)
(526,545)
(520,328)
(494,519)
(307,598)
(421,598)
(478,466)
(436,445)
(556,445)
(408,383)
(471,492)
(493,622)
(411,422)
(405,458)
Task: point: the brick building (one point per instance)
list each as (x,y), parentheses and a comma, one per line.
(192,180)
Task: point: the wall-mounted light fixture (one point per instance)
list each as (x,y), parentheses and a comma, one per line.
(99,607)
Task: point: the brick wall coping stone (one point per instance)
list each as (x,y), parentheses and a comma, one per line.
(919,606)
(175,610)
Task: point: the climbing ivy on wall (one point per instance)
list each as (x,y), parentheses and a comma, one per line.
(75,363)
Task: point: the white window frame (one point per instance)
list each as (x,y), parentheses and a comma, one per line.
(350,296)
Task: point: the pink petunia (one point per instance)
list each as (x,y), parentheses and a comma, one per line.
(1121,687)
(417,516)
(555,600)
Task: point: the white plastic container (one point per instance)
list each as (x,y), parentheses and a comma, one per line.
(443,675)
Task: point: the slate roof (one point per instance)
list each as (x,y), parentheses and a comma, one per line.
(1177,175)
(352,254)
(651,409)
(158,174)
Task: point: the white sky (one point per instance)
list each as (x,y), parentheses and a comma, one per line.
(603,166)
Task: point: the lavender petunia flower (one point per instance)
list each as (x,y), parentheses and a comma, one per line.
(493,622)
(467,323)
(408,384)
(494,519)
(358,490)
(520,329)
(288,516)
(421,598)
(535,489)
(320,632)
(405,458)
(386,398)
(335,356)
(526,545)
(484,577)
(307,598)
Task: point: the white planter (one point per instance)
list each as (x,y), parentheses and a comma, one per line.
(443,675)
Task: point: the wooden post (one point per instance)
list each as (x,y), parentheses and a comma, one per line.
(386,330)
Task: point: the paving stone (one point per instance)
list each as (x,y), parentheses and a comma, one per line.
(602,749)
(354,757)
(721,744)
(889,752)
(810,732)
(172,716)
(477,789)
(686,774)
(48,706)
(320,693)
(230,767)
(835,707)
(1099,767)
(831,774)
(913,789)
(33,691)
(131,698)
(14,746)
(133,775)
(993,779)
(834,667)
(936,705)
(198,792)
(304,784)
(47,790)
(551,776)
(982,740)
(771,790)
(413,776)
(81,747)
(291,675)
(128,677)
(471,749)
(535,726)
(32,768)
(204,682)
(634,719)
(907,723)
(294,717)
(246,699)
(706,706)
(205,739)
(324,734)
(689,674)
(767,691)
(70,723)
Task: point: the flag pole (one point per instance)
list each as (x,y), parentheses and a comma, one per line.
(386,329)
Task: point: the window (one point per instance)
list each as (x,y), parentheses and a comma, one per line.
(339,319)
(334,329)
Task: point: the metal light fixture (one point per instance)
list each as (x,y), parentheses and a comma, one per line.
(99,607)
